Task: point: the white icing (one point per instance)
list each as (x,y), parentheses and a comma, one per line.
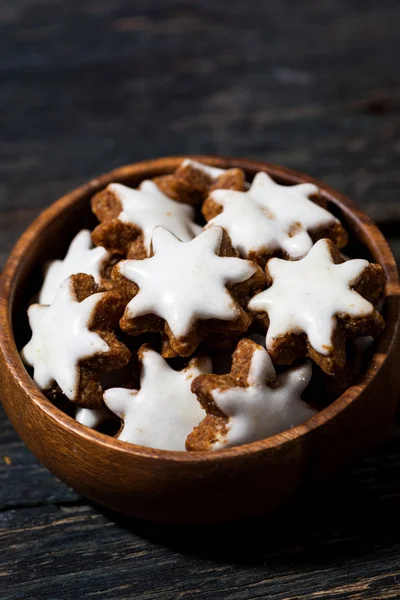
(291,204)
(306,296)
(212,172)
(251,228)
(270,216)
(148,207)
(261,368)
(91,417)
(184,282)
(61,338)
(164,411)
(259,411)
(81,257)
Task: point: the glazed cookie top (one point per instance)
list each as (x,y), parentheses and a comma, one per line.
(91,417)
(61,338)
(270,217)
(255,403)
(259,411)
(291,203)
(164,411)
(252,230)
(192,181)
(147,207)
(307,295)
(81,257)
(212,172)
(183,282)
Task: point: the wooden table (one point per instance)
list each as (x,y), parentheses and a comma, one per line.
(88,85)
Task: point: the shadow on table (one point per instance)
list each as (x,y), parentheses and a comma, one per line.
(350,515)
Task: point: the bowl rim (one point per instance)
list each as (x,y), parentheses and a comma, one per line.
(373,238)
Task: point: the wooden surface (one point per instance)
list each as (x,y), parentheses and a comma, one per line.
(86,86)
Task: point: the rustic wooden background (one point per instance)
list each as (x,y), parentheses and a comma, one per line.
(87,85)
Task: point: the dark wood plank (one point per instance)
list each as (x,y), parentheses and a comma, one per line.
(299,553)
(340,539)
(23,481)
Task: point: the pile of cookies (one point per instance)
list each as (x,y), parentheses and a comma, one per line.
(203,311)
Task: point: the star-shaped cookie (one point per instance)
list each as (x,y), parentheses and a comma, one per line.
(81,257)
(250,403)
(313,304)
(271,219)
(128,217)
(163,411)
(192,181)
(72,340)
(187,289)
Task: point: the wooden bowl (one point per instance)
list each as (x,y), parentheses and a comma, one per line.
(178,486)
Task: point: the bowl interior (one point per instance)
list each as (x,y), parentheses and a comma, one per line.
(49,237)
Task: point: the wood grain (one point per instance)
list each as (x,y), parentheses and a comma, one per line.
(298,553)
(89,85)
